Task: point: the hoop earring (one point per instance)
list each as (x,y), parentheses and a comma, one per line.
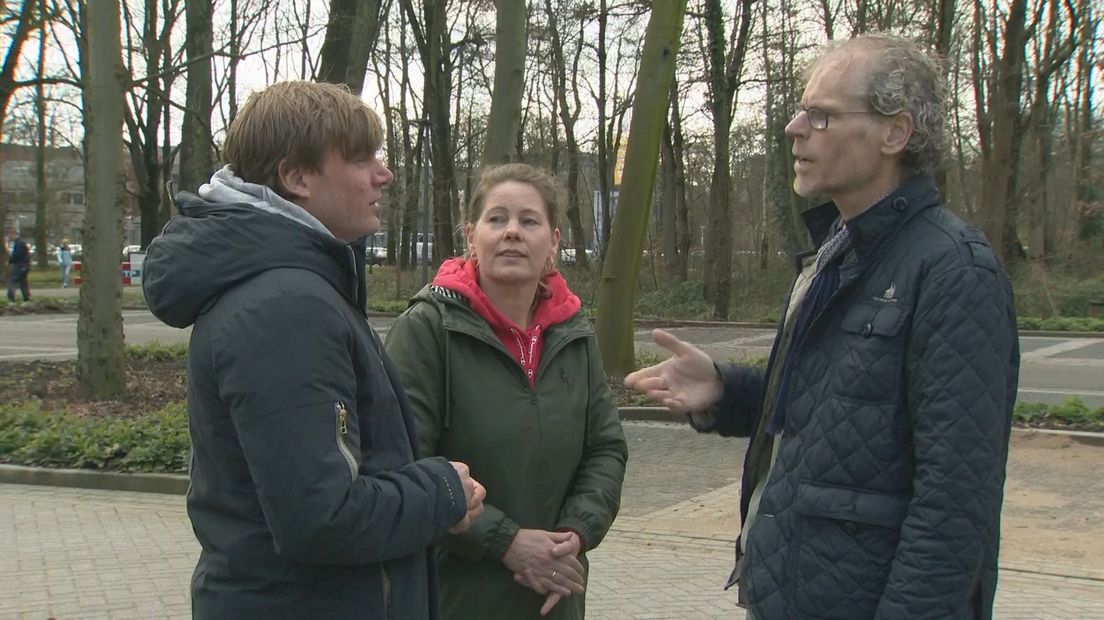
(549,266)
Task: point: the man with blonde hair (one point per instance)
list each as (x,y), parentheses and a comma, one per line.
(873,481)
(307,493)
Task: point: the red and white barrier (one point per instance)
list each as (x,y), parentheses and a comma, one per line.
(130,271)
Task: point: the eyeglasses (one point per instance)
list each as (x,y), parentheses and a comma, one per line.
(818,118)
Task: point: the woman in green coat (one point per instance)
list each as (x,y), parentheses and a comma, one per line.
(504,374)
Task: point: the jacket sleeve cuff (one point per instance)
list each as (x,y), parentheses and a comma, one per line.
(500,538)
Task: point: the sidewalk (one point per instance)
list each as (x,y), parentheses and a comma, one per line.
(72,553)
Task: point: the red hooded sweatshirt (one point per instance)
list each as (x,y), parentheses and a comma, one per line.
(556,305)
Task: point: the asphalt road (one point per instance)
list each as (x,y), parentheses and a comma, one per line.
(1052,369)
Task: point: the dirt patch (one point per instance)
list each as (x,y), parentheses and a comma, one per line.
(151,384)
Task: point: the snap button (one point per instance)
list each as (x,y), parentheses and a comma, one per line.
(868,329)
(850,527)
(900,204)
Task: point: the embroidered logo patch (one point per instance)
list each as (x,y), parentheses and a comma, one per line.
(889,296)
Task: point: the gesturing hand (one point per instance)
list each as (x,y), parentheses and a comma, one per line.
(474,493)
(686,381)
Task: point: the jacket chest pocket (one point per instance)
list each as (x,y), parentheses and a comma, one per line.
(871,357)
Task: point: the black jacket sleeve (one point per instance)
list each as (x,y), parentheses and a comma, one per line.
(285,368)
(738,411)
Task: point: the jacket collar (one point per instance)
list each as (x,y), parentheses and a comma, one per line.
(872,229)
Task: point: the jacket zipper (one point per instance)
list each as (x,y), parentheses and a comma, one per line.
(342,430)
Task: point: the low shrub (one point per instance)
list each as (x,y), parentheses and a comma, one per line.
(1072,412)
(155,442)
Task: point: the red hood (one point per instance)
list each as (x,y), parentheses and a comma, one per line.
(557,303)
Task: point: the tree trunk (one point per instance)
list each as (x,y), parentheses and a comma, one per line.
(40,156)
(568,116)
(7,88)
(998,191)
(604,171)
(196,144)
(100,352)
(724,70)
(509,82)
(617,292)
(351,33)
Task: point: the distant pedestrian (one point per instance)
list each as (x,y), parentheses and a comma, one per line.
(65,262)
(20,266)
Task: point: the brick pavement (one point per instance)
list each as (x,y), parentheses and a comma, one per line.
(71,553)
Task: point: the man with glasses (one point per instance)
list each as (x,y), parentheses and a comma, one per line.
(879,430)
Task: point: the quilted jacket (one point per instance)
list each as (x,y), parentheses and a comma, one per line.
(885,495)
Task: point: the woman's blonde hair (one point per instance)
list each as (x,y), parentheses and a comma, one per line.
(300,123)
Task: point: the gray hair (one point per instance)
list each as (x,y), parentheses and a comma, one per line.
(901,77)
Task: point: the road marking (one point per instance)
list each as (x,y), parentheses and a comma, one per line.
(1063,391)
(1061,347)
(36,356)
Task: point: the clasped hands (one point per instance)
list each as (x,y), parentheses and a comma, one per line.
(548,563)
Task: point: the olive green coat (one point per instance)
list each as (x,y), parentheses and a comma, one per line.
(551,458)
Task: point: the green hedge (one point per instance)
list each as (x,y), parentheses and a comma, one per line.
(1071,412)
(157,442)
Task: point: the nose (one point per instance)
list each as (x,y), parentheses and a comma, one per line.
(513,228)
(798,125)
(384,176)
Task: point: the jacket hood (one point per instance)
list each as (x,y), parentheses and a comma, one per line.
(557,303)
(229,233)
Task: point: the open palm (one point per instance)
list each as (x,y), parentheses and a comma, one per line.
(686,381)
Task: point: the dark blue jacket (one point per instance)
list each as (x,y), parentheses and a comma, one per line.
(307,493)
(20,254)
(885,498)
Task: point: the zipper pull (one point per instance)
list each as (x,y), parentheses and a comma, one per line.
(342,419)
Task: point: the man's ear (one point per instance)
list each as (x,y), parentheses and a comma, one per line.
(898,133)
(292,181)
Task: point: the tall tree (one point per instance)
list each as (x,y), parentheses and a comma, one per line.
(197,157)
(725,68)
(100,353)
(431,34)
(23,24)
(40,155)
(351,33)
(617,292)
(145,111)
(509,82)
(569,115)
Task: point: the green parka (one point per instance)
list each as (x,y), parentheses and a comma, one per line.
(551,457)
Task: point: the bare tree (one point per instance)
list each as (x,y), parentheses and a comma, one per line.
(351,34)
(725,65)
(23,22)
(431,34)
(509,81)
(617,293)
(568,116)
(197,156)
(100,353)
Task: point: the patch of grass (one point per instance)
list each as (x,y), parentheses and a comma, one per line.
(157,351)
